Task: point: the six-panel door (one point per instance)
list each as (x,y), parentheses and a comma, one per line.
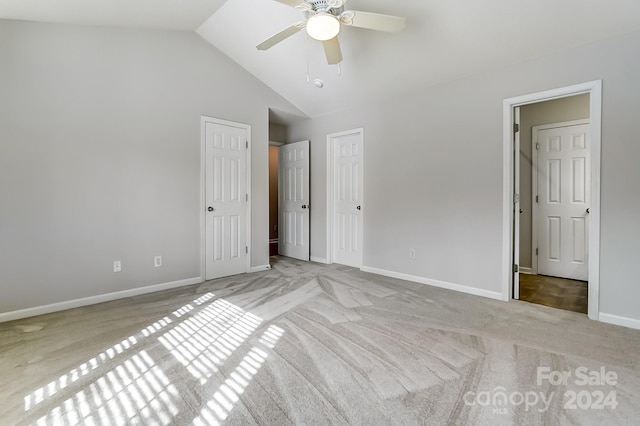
(563,201)
(226,200)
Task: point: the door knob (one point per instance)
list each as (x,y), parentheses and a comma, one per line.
(304,206)
(211,209)
(358,208)
(587,211)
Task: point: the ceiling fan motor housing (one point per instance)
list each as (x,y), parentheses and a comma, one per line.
(325,6)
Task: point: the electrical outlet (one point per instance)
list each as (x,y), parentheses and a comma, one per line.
(412,254)
(117,266)
(157,261)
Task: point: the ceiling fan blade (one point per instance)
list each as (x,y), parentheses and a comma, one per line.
(373,21)
(292,3)
(284,34)
(336,4)
(332,51)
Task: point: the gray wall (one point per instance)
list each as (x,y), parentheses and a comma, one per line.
(555,111)
(433,171)
(100,156)
(277,132)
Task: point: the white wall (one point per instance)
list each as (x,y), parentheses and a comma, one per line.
(100,157)
(433,171)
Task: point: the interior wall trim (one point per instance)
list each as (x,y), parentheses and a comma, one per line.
(618,320)
(435,283)
(260,268)
(92,300)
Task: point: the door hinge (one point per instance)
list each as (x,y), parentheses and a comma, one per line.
(246,249)
(246,198)
(536,251)
(537,199)
(515,268)
(516,198)
(516,127)
(246,144)
(537,147)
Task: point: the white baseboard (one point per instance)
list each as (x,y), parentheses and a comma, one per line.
(525,270)
(435,283)
(319,260)
(92,300)
(618,320)
(260,268)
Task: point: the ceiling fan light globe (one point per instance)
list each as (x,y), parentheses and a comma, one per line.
(323,26)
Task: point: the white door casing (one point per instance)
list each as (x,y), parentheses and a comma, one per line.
(346,197)
(562,202)
(226,197)
(516,203)
(294,200)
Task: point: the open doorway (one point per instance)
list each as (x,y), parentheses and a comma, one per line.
(289,200)
(511,187)
(273,197)
(554,170)
(277,138)
(289,189)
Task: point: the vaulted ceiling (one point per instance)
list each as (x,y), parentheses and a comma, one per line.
(443,39)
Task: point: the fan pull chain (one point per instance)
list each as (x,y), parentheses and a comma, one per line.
(339,69)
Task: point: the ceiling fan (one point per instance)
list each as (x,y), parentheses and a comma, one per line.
(322,22)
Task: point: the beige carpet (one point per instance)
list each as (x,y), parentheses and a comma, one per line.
(313,344)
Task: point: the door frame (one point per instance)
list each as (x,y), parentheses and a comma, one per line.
(203,205)
(594,88)
(534,183)
(330,189)
(515,276)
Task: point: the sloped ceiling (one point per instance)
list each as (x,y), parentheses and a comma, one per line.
(443,40)
(160,14)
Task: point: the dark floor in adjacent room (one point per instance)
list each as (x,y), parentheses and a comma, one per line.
(560,293)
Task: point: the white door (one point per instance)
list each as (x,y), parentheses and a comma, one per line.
(563,200)
(226,199)
(347,198)
(294,203)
